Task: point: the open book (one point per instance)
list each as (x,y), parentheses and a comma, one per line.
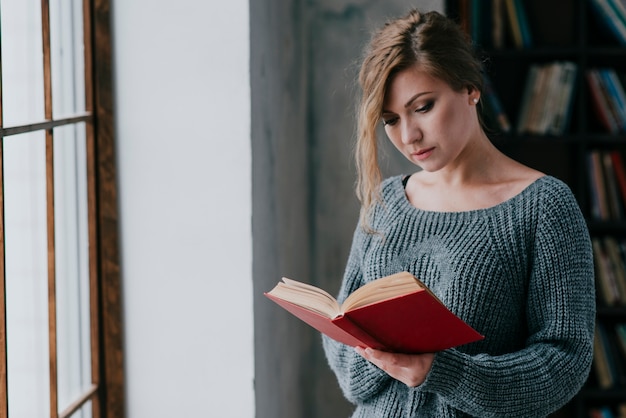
(396,313)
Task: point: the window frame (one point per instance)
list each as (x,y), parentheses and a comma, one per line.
(107,390)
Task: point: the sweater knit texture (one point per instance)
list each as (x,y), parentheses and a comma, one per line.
(521,273)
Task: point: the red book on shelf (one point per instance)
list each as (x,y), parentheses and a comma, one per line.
(620,173)
(600,103)
(600,208)
(396,313)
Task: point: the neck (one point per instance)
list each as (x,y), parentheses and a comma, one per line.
(480,162)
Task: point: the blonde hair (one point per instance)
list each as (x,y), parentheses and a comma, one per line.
(439,47)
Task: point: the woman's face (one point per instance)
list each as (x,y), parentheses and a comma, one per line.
(427,121)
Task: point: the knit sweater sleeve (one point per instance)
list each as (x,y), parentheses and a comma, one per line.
(560,315)
(358,379)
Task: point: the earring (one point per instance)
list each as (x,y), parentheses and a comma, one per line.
(475,100)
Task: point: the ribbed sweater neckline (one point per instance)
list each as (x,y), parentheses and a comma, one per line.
(396,196)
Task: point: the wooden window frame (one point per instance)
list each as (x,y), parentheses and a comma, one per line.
(107,390)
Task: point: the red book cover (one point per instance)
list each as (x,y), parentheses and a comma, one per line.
(620,173)
(415,322)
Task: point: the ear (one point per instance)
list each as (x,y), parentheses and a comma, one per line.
(473,95)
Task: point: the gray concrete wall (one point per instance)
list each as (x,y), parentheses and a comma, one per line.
(304,62)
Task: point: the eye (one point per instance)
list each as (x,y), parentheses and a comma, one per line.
(429,105)
(390,121)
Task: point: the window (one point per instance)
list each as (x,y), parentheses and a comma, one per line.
(60,333)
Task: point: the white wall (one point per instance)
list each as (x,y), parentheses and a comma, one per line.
(183,144)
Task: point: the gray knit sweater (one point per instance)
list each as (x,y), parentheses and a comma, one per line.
(521,273)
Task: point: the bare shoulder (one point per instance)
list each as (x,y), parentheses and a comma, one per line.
(519,176)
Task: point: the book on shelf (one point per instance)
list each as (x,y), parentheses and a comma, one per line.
(616,259)
(560,119)
(601,365)
(603,412)
(490,22)
(522,19)
(498,26)
(530,91)
(607,184)
(620,9)
(620,331)
(396,313)
(547,98)
(518,23)
(610,264)
(494,106)
(600,102)
(514,26)
(613,193)
(610,15)
(597,188)
(465,15)
(615,95)
(606,280)
(478,22)
(608,362)
(620,173)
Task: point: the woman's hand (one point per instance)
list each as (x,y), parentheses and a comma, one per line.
(410,369)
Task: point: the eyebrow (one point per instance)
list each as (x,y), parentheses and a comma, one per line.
(411,100)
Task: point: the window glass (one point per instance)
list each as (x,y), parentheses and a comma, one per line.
(84,412)
(67,57)
(72,264)
(26,275)
(22,62)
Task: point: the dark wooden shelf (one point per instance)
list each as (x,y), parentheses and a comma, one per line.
(571,52)
(618,393)
(614,312)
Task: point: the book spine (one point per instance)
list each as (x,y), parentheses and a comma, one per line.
(612,191)
(619,11)
(560,122)
(605,89)
(493,102)
(600,104)
(620,331)
(595,184)
(464,16)
(550,95)
(599,183)
(497,15)
(616,95)
(604,278)
(514,26)
(620,174)
(476,24)
(527,97)
(524,26)
(537,99)
(600,360)
(607,14)
(617,263)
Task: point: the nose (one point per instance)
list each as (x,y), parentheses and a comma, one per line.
(410,133)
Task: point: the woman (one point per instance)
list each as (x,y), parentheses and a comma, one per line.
(504,246)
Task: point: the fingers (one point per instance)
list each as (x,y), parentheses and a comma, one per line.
(377,357)
(410,369)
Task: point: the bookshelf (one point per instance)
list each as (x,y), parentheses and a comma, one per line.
(569,31)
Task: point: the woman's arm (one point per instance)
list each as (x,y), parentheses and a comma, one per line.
(358,378)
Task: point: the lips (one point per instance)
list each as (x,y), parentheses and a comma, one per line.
(423,153)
